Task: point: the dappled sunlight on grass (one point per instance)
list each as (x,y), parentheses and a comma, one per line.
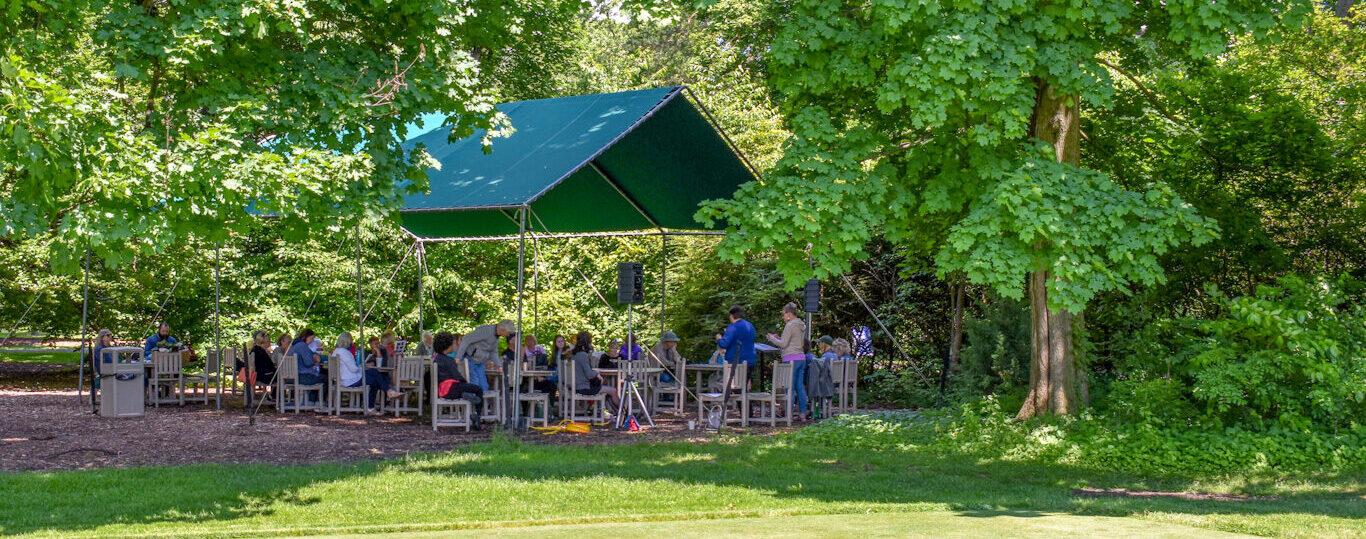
(508,483)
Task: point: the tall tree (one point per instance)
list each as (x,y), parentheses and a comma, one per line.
(955,127)
(130,126)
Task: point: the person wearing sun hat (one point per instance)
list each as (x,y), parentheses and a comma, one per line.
(666,352)
(827,347)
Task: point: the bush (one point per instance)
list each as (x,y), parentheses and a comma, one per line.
(995,358)
(1290,356)
(901,388)
(982,429)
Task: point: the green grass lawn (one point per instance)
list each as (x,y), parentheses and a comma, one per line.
(41,357)
(864,526)
(505,485)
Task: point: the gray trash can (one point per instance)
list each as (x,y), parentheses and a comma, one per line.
(121,385)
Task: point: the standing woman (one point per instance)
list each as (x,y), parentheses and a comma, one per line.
(793,346)
(586,380)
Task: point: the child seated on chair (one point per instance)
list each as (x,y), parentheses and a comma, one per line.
(449,383)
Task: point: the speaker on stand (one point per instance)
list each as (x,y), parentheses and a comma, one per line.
(630,291)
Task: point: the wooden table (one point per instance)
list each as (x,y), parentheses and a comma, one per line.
(702,369)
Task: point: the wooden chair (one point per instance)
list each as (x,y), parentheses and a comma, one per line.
(212,365)
(408,381)
(597,404)
(678,389)
(534,401)
(344,398)
(738,389)
(448,412)
(167,370)
(837,374)
(290,394)
(493,396)
(851,381)
(768,401)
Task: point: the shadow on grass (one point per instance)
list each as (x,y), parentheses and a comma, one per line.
(780,475)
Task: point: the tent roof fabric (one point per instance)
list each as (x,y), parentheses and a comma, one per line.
(615,162)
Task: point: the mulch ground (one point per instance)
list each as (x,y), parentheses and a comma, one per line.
(45,426)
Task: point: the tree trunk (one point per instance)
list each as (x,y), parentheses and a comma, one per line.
(1052,369)
(955,336)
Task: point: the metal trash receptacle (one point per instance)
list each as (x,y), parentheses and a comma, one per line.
(121,388)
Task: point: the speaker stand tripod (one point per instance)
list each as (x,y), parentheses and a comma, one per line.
(630,389)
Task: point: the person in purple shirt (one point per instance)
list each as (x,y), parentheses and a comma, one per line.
(738,340)
(635,351)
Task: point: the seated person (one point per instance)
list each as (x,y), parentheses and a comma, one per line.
(559,351)
(378,355)
(162,339)
(610,357)
(105,339)
(262,365)
(634,353)
(586,380)
(424,346)
(353,373)
(281,348)
(534,356)
(310,363)
(666,353)
(843,350)
(826,345)
(449,383)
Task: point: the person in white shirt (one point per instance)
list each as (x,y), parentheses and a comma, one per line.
(353,374)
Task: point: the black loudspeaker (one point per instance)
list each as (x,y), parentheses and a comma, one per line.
(812,303)
(630,283)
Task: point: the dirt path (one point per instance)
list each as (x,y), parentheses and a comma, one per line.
(47,430)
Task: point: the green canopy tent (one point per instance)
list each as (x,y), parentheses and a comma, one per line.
(627,163)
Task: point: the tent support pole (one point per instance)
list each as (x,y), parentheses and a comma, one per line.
(421,276)
(617,187)
(516,367)
(535,288)
(360,300)
(217,327)
(663,277)
(904,355)
(86,348)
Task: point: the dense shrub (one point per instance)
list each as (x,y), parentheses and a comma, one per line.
(1291,356)
(984,430)
(995,356)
